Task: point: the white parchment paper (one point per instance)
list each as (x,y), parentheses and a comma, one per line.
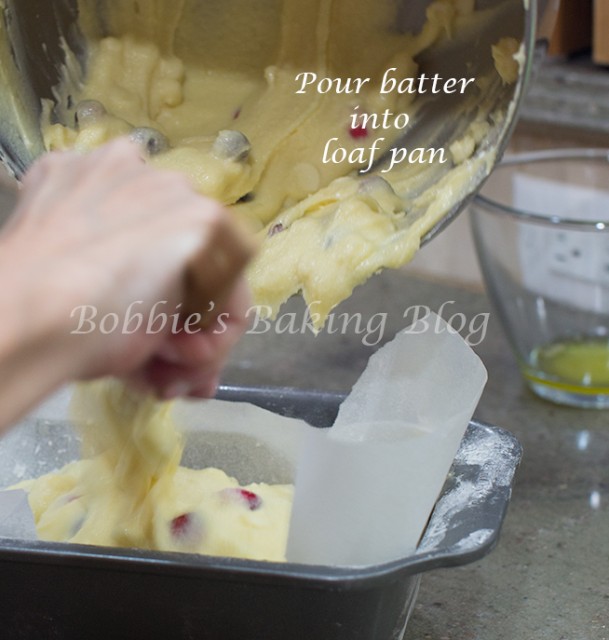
(366,487)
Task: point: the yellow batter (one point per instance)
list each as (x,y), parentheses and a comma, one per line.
(131,492)
(220,83)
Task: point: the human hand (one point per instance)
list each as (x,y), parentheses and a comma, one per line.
(105,231)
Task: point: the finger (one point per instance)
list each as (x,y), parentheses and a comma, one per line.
(207,389)
(197,346)
(169,381)
(190,364)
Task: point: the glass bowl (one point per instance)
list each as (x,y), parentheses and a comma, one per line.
(541,229)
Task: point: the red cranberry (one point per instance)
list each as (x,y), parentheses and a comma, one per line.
(358,132)
(180,525)
(253,500)
(187,528)
(249,498)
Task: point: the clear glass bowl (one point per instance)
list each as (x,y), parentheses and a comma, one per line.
(541,229)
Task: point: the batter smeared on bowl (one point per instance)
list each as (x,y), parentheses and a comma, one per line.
(216,90)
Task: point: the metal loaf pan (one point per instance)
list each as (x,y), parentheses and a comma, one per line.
(74,592)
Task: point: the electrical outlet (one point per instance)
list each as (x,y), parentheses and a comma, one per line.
(564,264)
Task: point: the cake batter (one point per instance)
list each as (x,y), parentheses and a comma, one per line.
(129,490)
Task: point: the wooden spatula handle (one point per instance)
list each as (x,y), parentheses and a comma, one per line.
(213,272)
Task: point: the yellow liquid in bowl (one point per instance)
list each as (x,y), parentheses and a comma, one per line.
(580,366)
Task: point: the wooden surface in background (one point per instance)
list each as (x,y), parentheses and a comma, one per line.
(601,32)
(573,30)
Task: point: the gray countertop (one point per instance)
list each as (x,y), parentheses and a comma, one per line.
(549,577)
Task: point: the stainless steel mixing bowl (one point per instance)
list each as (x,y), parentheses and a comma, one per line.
(32,57)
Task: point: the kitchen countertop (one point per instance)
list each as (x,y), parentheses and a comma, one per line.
(548,579)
